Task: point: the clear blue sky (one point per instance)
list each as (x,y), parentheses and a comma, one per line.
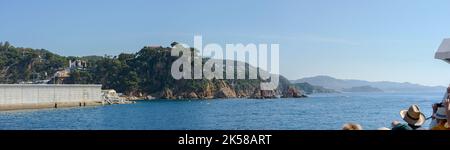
(380,40)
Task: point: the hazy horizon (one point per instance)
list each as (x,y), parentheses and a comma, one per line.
(369,80)
(365,40)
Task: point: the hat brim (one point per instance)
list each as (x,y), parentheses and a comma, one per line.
(418,122)
(441,114)
(440,117)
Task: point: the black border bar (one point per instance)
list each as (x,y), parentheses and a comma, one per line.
(170,138)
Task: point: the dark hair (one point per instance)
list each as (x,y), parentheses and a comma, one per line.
(414,127)
(444,120)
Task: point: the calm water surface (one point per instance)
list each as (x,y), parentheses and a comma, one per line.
(318,112)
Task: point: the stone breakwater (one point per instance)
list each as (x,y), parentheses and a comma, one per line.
(34,96)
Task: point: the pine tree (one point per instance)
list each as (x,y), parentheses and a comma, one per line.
(6,45)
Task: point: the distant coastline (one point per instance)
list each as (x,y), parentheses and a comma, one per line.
(313,89)
(349,85)
(362,89)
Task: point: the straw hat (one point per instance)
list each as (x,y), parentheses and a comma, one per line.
(413,116)
(441,113)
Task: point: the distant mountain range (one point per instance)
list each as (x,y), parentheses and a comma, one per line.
(349,84)
(312,89)
(363,89)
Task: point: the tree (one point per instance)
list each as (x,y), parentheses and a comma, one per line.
(123,57)
(131,83)
(6,45)
(173,44)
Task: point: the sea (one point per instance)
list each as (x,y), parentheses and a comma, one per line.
(317,112)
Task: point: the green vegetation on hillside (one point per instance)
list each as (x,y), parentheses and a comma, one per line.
(146,72)
(26,64)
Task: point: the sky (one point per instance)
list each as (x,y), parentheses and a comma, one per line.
(383,40)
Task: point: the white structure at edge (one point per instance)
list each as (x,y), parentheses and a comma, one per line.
(17,94)
(444,51)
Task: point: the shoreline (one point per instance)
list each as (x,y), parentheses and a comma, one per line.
(133,98)
(8,107)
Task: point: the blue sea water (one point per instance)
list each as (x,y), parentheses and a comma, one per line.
(318,112)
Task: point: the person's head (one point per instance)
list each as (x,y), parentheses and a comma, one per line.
(441,115)
(413,116)
(351,126)
(395,123)
(448,89)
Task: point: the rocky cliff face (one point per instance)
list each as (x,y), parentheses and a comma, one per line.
(209,89)
(225,89)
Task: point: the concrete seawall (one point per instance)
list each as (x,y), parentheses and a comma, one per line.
(34,96)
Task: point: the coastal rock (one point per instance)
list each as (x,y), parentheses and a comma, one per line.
(293,92)
(208,92)
(264,94)
(193,95)
(131,98)
(149,97)
(256,94)
(243,94)
(268,94)
(168,94)
(226,92)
